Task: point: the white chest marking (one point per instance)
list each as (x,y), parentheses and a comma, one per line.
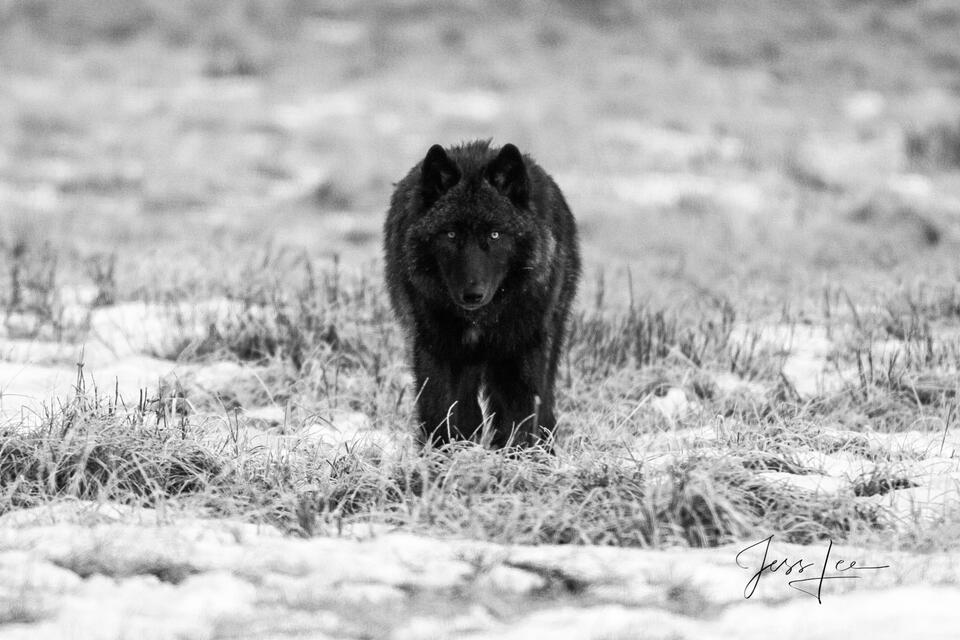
(471,337)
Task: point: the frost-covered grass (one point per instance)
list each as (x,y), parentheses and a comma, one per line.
(627,471)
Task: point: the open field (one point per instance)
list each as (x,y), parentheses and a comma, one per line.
(206,410)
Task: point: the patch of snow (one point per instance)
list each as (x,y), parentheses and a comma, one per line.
(673,405)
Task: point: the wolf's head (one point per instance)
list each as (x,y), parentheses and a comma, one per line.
(474,218)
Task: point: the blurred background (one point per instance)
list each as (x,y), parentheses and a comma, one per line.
(750,148)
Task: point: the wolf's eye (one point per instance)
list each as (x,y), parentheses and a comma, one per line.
(451,234)
(494,235)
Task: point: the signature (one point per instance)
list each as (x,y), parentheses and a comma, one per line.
(812,586)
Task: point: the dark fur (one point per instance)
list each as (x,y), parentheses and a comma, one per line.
(524,283)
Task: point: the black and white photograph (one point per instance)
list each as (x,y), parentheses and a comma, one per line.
(479,320)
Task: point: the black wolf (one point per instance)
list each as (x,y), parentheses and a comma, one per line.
(482,264)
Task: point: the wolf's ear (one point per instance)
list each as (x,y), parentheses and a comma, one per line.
(508,174)
(439,173)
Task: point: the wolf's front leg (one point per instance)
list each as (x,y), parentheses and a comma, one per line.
(447,404)
(523,410)
(436,394)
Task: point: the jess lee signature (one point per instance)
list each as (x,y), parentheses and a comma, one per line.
(812,586)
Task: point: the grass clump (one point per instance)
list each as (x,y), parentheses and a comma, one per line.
(299,319)
(713,501)
(92,449)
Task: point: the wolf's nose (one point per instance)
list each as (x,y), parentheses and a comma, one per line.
(472,296)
